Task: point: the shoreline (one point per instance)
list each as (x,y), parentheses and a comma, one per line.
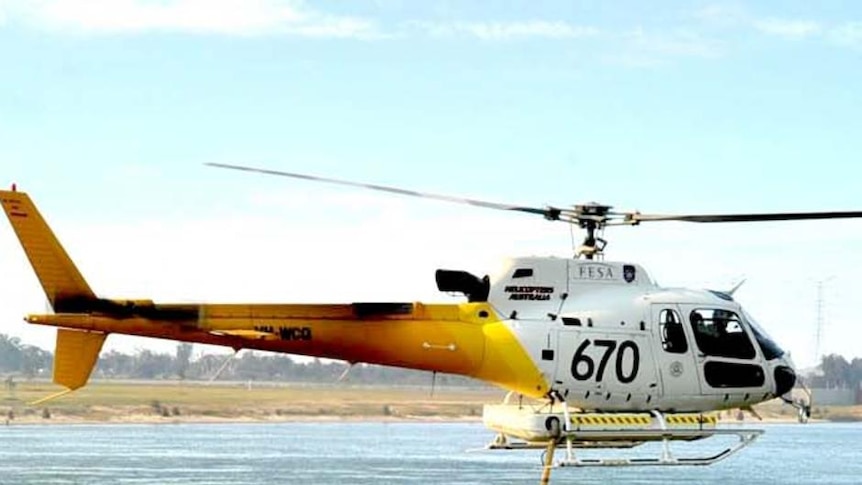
(32,420)
(192,420)
(171,402)
(155,420)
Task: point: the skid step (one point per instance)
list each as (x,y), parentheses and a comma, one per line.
(541,423)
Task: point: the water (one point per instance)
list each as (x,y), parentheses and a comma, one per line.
(373,453)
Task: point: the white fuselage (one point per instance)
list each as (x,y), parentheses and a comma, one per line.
(608,338)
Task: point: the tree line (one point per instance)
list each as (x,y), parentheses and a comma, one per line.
(30,361)
(26,360)
(836,372)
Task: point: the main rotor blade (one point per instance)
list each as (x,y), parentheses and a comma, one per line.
(549,213)
(775,216)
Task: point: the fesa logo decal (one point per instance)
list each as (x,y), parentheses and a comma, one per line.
(540,293)
(595,271)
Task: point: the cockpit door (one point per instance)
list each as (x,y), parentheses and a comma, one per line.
(727,359)
(675,353)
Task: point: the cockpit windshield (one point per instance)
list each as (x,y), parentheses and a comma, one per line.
(770,349)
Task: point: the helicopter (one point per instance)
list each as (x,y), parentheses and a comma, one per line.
(594,353)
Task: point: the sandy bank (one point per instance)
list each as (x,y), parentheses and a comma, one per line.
(194,402)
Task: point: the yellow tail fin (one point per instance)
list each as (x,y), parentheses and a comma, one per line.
(75,356)
(58,275)
(77,351)
(74,359)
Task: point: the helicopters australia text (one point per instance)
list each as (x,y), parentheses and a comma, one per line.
(529,292)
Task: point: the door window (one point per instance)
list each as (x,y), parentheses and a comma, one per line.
(724,375)
(672,334)
(719,333)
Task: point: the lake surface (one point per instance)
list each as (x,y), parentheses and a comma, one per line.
(371,453)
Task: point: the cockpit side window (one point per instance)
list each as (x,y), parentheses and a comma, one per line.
(719,333)
(672,334)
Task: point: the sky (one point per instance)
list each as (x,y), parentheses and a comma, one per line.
(110,108)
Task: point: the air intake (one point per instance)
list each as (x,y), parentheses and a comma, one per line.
(475,289)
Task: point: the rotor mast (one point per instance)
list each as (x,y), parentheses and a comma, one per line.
(591,217)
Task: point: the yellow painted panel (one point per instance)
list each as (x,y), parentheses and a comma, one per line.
(56,272)
(75,355)
(464,339)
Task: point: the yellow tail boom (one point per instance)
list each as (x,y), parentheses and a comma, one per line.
(467,339)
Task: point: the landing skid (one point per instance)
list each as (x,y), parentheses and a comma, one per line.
(666,458)
(548,427)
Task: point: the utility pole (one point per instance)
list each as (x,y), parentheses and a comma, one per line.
(820,320)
